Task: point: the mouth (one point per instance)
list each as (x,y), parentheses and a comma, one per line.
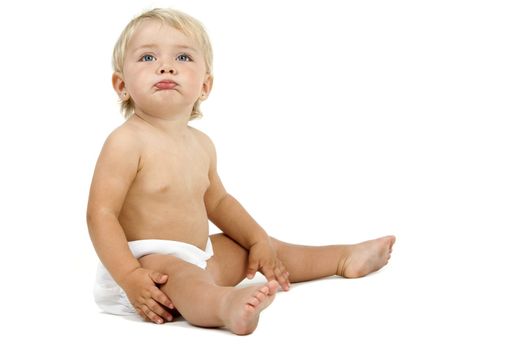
(166,85)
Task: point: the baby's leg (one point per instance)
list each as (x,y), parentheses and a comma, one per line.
(203,303)
(304,263)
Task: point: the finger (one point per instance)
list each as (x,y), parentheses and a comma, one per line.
(159,310)
(253,266)
(162,298)
(268,273)
(285,273)
(142,315)
(158,277)
(153,317)
(282,278)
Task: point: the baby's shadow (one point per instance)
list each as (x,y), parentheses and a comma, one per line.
(178,322)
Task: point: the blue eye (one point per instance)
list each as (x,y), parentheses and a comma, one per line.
(147,58)
(183,57)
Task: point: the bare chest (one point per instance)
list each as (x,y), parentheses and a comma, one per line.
(179,173)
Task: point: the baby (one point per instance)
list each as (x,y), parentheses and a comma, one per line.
(156,186)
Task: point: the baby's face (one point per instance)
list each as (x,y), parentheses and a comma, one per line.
(164,71)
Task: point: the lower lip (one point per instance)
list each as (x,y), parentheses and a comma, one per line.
(165,86)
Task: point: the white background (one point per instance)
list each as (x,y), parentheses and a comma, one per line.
(334,122)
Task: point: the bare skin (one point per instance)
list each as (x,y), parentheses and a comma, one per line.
(204,303)
(243,306)
(366,257)
(304,263)
(156,178)
(238,309)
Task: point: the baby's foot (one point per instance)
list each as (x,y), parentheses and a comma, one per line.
(243,306)
(366,257)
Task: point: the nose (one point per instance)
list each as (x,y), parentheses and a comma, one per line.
(166,67)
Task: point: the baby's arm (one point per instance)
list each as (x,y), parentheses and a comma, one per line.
(115,171)
(230,216)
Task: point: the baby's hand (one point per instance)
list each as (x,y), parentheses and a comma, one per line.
(147,299)
(264,257)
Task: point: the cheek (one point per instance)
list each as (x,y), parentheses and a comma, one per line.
(136,80)
(197,78)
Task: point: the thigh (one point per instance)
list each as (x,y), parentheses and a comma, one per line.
(229,262)
(177,269)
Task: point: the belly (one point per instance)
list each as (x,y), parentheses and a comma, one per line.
(184,222)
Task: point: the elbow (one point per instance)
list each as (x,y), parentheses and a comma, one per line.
(96,216)
(90,218)
(92,213)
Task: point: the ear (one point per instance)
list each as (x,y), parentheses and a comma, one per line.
(120,86)
(206,87)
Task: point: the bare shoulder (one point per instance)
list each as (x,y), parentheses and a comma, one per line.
(122,150)
(116,169)
(205,141)
(127,137)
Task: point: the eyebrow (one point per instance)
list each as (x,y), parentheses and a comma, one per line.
(153,46)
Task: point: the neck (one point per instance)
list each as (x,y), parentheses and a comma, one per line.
(173,125)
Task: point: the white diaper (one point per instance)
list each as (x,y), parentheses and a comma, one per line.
(112,299)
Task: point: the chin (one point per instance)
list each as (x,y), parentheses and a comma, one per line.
(168,112)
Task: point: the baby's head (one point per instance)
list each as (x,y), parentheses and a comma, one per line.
(180,21)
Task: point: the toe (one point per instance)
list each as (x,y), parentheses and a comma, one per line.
(264,290)
(261,296)
(254,301)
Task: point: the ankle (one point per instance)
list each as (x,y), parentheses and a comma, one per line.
(225,305)
(344,258)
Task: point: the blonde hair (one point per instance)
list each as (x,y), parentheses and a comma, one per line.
(184,23)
